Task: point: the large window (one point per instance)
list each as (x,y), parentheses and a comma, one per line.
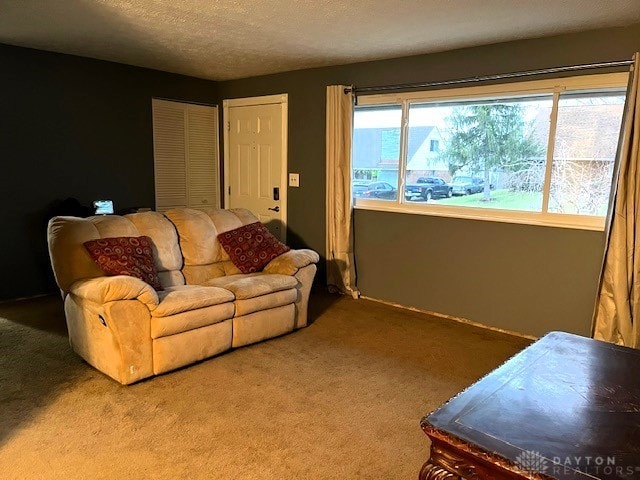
(535,152)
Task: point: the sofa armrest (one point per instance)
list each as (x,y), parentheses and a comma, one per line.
(290,262)
(119,287)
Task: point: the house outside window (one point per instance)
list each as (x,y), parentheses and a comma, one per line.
(540,152)
(376,158)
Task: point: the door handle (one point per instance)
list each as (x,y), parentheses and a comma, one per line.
(274,209)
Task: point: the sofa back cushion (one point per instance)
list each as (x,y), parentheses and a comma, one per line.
(166,249)
(71,261)
(204,257)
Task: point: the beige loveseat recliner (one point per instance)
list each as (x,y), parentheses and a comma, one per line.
(124,328)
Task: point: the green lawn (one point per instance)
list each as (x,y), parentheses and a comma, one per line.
(501,199)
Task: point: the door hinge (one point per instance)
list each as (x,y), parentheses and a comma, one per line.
(228,126)
(229,188)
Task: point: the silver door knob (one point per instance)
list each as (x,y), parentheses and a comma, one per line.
(274,209)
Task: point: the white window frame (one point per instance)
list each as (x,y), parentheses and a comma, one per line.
(529,88)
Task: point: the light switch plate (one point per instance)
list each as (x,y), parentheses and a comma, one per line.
(294,179)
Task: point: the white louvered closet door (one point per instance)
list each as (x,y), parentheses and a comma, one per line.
(185,142)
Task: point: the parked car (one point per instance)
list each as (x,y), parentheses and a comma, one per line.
(427,188)
(358,188)
(382,190)
(467,185)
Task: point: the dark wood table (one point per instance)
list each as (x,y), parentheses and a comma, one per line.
(566,407)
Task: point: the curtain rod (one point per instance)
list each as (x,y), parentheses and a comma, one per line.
(500,76)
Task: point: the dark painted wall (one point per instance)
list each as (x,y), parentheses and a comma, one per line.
(72,127)
(522,278)
(529,267)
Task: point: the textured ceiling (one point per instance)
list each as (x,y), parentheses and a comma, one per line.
(227,39)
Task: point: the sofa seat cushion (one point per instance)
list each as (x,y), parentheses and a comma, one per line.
(253,284)
(264,302)
(191,320)
(184,298)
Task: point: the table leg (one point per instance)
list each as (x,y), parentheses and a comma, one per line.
(430,471)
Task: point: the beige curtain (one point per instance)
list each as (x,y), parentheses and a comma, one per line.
(617,314)
(341,273)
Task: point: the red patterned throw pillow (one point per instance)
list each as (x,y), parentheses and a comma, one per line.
(131,256)
(251,247)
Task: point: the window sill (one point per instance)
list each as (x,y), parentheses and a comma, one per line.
(576,222)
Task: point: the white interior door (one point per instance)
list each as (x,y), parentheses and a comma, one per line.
(255,162)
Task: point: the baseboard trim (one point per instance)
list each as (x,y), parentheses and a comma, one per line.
(20,299)
(451,317)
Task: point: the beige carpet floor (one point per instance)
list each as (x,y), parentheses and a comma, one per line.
(341,399)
